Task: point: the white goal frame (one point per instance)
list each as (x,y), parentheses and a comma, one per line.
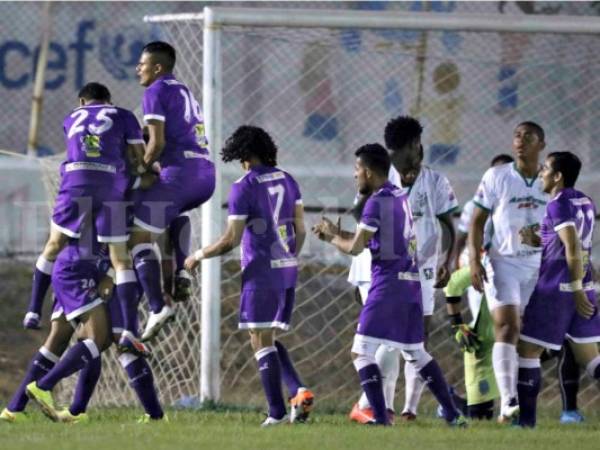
(214,18)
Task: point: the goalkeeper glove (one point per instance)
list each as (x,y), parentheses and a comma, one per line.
(463,334)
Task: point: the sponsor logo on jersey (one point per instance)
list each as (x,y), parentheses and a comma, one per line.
(528,202)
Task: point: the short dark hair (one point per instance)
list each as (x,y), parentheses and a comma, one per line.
(400,131)
(568,164)
(375,158)
(502,158)
(536,128)
(95,91)
(248,141)
(162,53)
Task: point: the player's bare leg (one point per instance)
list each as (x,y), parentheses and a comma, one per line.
(504,358)
(42,276)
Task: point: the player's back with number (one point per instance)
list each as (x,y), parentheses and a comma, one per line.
(97,136)
(170,101)
(266,197)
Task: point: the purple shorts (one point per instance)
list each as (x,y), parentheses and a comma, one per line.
(393,315)
(176,191)
(550,317)
(266,308)
(74,287)
(103,204)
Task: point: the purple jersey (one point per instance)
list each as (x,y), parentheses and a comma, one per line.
(393,246)
(170,101)
(569,208)
(266,198)
(97,137)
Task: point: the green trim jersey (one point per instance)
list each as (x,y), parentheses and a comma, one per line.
(514,202)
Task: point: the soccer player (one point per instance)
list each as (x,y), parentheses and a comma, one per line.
(187,176)
(432,202)
(563,303)
(393,312)
(512,196)
(266,215)
(100,139)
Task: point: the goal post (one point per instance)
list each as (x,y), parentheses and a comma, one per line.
(323,82)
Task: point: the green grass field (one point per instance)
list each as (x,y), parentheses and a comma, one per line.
(116,429)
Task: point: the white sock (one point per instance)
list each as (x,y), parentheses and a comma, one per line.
(414,388)
(505,362)
(388,360)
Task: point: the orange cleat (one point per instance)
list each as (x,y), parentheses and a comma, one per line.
(363,416)
(301,405)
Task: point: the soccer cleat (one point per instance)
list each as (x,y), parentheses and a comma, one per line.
(65,416)
(156,321)
(31,321)
(509,412)
(571,416)
(270,421)
(43,399)
(408,416)
(458,422)
(361,415)
(146,418)
(301,405)
(391,416)
(14,417)
(183,289)
(129,343)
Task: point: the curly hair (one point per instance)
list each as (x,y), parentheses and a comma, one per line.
(400,131)
(248,141)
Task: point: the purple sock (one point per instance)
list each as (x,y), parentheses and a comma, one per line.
(86,383)
(40,365)
(528,388)
(370,382)
(142,381)
(148,273)
(128,296)
(41,282)
(289,374)
(76,358)
(270,376)
(180,235)
(433,376)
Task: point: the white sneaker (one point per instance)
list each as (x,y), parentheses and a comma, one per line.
(156,321)
(270,421)
(509,412)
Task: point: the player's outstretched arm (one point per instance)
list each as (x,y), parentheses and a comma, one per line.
(475,242)
(344,241)
(230,239)
(156,141)
(299,228)
(570,239)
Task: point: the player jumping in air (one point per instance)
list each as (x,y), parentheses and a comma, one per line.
(393,312)
(267,217)
(432,202)
(563,303)
(187,176)
(512,196)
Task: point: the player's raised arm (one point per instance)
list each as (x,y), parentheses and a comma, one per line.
(344,241)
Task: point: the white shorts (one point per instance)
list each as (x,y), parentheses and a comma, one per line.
(510,282)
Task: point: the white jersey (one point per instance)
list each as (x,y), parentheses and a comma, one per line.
(514,202)
(429,197)
(464,222)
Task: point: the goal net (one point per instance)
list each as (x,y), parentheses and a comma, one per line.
(321,92)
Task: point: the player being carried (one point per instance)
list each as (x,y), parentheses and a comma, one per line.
(432,202)
(187,176)
(563,303)
(393,312)
(512,196)
(267,217)
(100,139)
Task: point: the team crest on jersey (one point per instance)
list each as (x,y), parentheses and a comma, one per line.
(91,145)
(201,135)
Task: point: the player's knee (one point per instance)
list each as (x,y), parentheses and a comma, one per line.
(593,368)
(419,358)
(362,361)
(506,331)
